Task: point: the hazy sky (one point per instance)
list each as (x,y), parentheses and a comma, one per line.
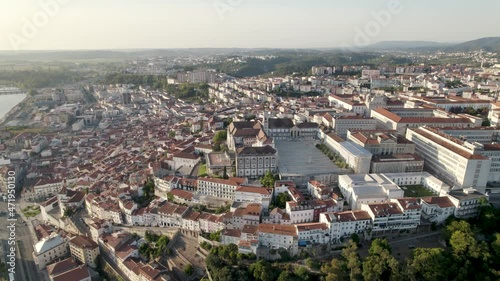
(128,24)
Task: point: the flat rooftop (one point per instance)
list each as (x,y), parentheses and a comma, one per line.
(301,157)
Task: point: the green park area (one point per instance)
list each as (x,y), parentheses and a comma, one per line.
(31,211)
(202,170)
(416,191)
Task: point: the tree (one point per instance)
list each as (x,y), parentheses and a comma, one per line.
(281,200)
(189,269)
(456,225)
(215,236)
(428,264)
(68,212)
(262,270)
(302,273)
(355,238)
(288,276)
(268,180)
(380,264)
(336,270)
(311,263)
(486,123)
(353,262)
(220,136)
(224,174)
(171,134)
(170,197)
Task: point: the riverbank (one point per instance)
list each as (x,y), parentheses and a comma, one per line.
(14,110)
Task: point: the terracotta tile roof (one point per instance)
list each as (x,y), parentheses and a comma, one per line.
(83,242)
(180,193)
(311,226)
(76,274)
(441,201)
(253,189)
(278,229)
(385,209)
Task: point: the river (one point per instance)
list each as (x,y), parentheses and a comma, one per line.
(7,102)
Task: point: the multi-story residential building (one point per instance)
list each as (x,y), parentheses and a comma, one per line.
(347,102)
(361,189)
(190,221)
(84,249)
(210,223)
(50,249)
(389,217)
(343,124)
(437,209)
(467,202)
(107,210)
(370,73)
(381,142)
(412,210)
(309,211)
(318,190)
(448,159)
(312,233)
(254,194)
(221,188)
(322,70)
(230,236)
(99,227)
(276,236)
(248,215)
(127,207)
(277,216)
(344,224)
(255,162)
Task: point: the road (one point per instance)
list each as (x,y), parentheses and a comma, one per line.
(25,265)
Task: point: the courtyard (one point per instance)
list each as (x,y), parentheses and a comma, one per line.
(416,191)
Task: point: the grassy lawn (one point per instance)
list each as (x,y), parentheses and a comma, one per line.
(416,191)
(31,211)
(202,170)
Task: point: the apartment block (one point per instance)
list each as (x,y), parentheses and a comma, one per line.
(84,249)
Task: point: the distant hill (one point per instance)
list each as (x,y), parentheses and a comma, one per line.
(489,44)
(407,45)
